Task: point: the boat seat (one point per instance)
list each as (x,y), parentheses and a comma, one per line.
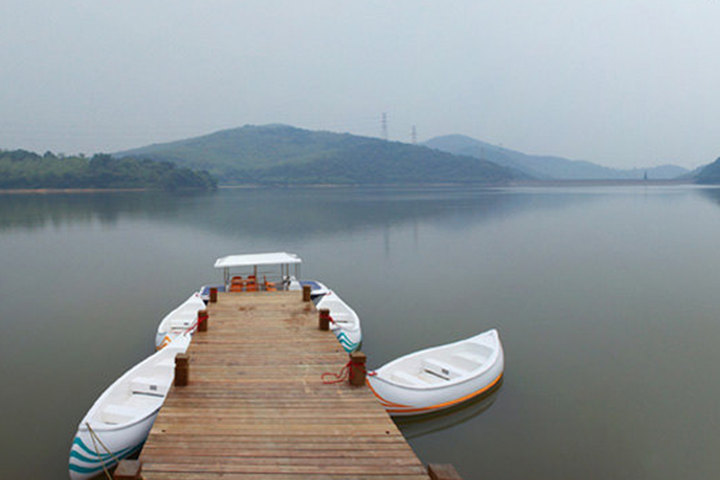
(442,369)
(269,286)
(470,357)
(114,413)
(146,386)
(406,378)
(181,323)
(340,319)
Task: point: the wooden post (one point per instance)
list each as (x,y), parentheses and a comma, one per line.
(324,319)
(358,372)
(213,294)
(128,470)
(182,369)
(443,471)
(203,317)
(306,293)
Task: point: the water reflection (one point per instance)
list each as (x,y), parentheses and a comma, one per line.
(416,427)
(711,193)
(276,212)
(31,212)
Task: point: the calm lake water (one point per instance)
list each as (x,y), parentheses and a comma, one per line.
(607,300)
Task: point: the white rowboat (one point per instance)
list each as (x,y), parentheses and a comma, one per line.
(345,323)
(439,377)
(119,421)
(180,320)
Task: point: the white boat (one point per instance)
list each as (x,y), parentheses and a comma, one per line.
(119,421)
(180,320)
(344,322)
(317,289)
(439,377)
(204,291)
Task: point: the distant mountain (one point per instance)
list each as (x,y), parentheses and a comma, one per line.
(289,155)
(546,167)
(709,174)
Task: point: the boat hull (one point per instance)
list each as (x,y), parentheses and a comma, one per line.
(404,399)
(349,339)
(88,456)
(182,319)
(345,321)
(120,420)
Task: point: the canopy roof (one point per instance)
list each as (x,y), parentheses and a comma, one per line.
(277,258)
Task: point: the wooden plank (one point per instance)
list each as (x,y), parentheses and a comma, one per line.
(256,407)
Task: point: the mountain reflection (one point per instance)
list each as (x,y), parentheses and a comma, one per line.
(275,212)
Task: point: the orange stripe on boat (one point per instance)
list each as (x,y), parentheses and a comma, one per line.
(442,405)
(385,403)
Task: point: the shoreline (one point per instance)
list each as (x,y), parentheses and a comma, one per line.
(523,183)
(46,191)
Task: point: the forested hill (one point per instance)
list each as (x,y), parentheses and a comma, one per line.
(280,154)
(23,169)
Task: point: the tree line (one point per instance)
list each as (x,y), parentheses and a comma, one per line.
(24,169)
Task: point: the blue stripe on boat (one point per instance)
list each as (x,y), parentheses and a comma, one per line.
(346,343)
(99,459)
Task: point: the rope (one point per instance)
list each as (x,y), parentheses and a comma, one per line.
(93,437)
(346,373)
(197,322)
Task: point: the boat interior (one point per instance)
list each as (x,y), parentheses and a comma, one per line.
(439,366)
(340,312)
(185,315)
(139,392)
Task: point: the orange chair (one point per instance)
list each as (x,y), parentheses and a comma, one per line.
(269,286)
(236,284)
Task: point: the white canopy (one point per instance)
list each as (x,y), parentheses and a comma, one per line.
(277,258)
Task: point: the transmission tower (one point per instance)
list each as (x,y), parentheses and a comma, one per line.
(384,126)
(413,135)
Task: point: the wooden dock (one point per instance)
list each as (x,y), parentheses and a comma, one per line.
(256,407)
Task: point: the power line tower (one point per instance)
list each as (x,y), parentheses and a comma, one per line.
(413,135)
(384,126)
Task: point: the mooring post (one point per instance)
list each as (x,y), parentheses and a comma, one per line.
(213,294)
(128,470)
(202,320)
(324,319)
(182,369)
(358,372)
(443,471)
(306,293)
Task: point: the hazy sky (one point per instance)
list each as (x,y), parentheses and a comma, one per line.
(619,82)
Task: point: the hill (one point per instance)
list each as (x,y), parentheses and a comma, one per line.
(20,169)
(546,167)
(283,154)
(709,174)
